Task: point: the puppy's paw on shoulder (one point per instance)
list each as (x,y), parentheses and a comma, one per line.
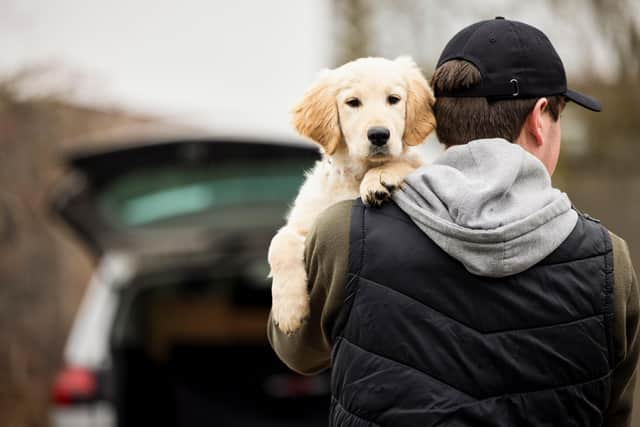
(376,197)
(376,187)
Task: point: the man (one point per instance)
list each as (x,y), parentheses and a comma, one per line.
(481,296)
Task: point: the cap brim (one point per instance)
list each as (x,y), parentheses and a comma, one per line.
(583,100)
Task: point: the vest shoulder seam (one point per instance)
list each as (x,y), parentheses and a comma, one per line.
(607,294)
(599,254)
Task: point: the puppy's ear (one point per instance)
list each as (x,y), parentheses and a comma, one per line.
(419,119)
(316,115)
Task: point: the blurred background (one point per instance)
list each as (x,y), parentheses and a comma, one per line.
(82,79)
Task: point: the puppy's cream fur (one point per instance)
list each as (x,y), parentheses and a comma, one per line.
(336,113)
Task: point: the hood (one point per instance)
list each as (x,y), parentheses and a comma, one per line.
(489,204)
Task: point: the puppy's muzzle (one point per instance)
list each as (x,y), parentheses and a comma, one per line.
(378,136)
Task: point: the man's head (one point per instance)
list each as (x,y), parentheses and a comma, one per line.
(503,79)
(532,122)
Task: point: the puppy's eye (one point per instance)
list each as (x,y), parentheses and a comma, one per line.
(393,99)
(353,102)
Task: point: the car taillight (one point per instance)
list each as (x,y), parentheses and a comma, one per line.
(74,385)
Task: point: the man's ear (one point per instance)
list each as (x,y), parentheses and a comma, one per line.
(533,123)
(419,119)
(316,115)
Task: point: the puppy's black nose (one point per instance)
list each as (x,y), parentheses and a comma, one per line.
(378,135)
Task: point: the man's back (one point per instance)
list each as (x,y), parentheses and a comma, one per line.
(418,339)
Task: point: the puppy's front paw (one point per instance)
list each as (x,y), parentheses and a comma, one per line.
(290,299)
(376,187)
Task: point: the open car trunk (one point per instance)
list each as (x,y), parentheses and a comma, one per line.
(196,355)
(188,341)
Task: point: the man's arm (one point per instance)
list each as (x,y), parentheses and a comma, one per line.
(626,336)
(308,350)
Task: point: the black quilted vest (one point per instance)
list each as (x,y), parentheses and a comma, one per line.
(423,342)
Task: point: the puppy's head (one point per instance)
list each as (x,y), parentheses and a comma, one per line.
(375,106)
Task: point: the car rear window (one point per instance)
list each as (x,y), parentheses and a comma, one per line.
(177,195)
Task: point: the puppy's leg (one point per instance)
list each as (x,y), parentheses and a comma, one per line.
(379,182)
(290,299)
(289,290)
(289,294)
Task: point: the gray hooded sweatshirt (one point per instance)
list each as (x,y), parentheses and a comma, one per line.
(489,204)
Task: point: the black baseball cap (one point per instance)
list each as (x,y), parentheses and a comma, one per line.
(516,61)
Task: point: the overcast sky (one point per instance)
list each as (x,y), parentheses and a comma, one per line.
(221,64)
(226,65)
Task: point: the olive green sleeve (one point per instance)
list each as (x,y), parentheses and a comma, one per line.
(625,336)
(308,350)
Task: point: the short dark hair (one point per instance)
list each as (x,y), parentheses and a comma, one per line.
(461,120)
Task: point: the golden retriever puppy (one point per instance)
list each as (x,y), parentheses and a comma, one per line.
(364,115)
